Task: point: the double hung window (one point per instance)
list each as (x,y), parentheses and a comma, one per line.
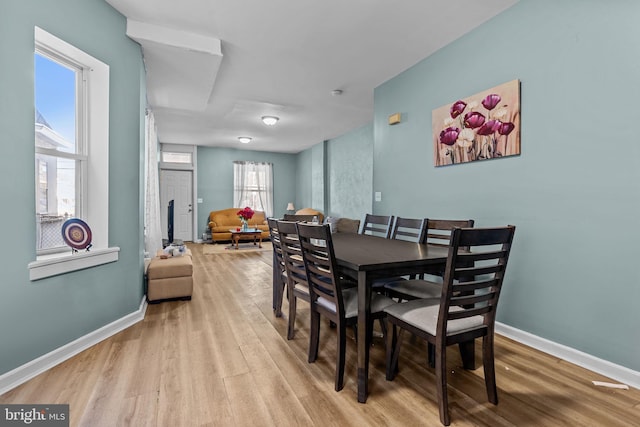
(60,145)
(71,154)
(253,186)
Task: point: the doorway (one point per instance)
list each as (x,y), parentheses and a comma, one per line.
(177,185)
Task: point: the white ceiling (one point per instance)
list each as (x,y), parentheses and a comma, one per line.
(214,67)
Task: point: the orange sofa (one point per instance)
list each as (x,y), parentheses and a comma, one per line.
(310,211)
(220,222)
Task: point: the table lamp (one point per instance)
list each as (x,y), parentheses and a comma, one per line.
(290,207)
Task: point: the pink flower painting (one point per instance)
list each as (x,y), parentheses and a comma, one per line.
(480,127)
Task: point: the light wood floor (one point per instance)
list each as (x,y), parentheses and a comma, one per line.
(223,359)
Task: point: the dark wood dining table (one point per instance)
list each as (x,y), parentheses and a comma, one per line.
(366,258)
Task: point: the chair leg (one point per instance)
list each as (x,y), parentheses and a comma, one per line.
(390,345)
(292,316)
(441,383)
(393,352)
(383,326)
(468,354)
(340,362)
(489,369)
(314,335)
(279,297)
(431,355)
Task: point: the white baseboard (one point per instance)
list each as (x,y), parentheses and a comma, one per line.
(577,357)
(31,369)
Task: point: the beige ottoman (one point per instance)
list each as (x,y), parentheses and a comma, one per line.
(170,278)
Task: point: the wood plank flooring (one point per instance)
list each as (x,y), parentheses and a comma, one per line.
(223,359)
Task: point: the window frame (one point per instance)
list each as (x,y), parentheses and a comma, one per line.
(95,186)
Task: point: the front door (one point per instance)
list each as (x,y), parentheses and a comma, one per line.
(177,185)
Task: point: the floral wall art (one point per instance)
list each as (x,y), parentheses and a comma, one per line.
(482,126)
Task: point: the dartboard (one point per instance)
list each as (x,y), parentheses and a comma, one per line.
(76,233)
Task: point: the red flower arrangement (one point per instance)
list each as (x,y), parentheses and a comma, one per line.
(245,214)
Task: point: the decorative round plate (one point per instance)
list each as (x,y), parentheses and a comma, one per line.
(76,233)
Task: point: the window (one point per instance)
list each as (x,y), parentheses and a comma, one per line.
(71,154)
(172,157)
(253,186)
(61,157)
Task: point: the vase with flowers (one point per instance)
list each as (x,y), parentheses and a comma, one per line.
(245,215)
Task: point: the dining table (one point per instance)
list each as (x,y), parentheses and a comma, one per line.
(365,258)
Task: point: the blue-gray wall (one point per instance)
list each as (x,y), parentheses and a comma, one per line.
(311,178)
(573,193)
(38,317)
(336,176)
(215,179)
(350,174)
(304,185)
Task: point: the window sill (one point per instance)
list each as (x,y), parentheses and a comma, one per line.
(52,266)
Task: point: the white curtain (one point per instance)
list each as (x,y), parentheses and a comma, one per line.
(253,186)
(152,227)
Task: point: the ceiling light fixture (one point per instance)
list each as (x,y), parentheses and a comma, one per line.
(336,92)
(270,120)
(244,139)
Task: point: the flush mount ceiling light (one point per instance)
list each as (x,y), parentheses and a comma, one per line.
(244,139)
(270,120)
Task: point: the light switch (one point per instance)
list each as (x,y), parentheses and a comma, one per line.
(378,196)
(199,199)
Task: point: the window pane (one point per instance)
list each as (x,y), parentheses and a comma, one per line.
(55,99)
(56,198)
(169,157)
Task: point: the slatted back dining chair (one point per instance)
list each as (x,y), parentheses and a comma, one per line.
(439,234)
(410,229)
(328,297)
(466,310)
(377,225)
(279,270)
(439,230)
(297,286)
(436,232)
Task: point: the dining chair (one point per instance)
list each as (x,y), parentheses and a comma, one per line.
(328,298)
(465,310)
(279,270)
(438,233)
(377,225)
(296,275)
(408,229)
(439,230)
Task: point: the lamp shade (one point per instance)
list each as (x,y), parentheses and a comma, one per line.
(290,207)
(270,120)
